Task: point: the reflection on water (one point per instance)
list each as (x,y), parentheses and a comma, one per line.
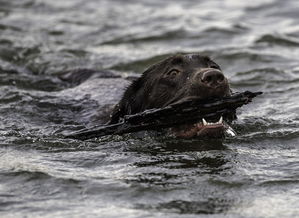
(41,174)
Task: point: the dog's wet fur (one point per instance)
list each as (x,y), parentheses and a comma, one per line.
(170,81)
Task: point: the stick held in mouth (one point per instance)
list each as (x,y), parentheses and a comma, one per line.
(185,112)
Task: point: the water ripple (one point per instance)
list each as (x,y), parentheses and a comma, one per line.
(44,175)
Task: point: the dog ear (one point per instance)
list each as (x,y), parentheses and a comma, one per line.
(130,103)
(134,98)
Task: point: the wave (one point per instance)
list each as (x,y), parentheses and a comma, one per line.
(279,40)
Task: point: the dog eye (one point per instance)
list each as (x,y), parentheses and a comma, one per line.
(173,72)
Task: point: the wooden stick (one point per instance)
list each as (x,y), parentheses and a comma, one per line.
(185,112)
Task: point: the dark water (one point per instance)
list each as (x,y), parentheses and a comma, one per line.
(255,174)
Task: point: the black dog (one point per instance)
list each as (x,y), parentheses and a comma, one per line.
(172,80)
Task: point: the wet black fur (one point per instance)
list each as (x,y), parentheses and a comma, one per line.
(151,90)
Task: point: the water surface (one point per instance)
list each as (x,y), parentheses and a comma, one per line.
(255,174)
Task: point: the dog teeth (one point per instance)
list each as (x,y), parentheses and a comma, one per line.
(205,123)
(220,120)
(230,131)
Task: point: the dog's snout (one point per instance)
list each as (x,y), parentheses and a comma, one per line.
(211,78)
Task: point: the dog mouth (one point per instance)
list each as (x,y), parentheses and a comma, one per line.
(204,129)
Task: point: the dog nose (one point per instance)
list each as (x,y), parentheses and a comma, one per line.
(212,78)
